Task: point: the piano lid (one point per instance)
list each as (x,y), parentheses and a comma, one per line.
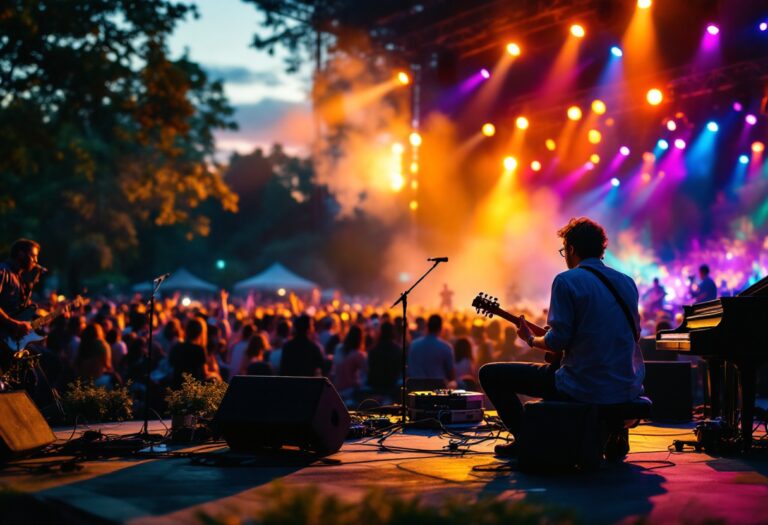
(760,288)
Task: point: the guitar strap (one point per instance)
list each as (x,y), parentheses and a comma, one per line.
(612,289)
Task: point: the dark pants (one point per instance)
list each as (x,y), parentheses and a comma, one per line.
(503,381)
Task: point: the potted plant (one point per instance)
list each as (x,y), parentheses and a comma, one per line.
(195,400)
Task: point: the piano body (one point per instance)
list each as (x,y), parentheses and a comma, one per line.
(727,331)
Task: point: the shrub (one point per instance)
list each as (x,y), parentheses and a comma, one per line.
(195,398)
(92,403)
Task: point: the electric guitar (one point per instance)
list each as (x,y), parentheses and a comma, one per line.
(16,345)
(489,306)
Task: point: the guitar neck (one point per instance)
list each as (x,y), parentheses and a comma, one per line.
(535,329)
(47,319)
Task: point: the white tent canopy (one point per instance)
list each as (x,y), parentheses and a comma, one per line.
(273,278)
(181,279)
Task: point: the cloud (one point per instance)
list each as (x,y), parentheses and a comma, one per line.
(243,75)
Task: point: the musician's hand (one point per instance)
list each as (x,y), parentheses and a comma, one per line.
(21,328)
(523,332)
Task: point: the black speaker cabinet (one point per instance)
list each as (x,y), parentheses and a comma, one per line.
(22,427)
(668,385)
(260,412)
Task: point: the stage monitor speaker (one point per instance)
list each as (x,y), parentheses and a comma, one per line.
(668,385)
(22,427)
(260,412)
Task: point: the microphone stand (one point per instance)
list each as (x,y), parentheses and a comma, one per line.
(404,299)
(145,428)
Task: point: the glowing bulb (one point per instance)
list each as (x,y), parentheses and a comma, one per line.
(758,147)
(510,163)
(737,106)
(521,123)
(397,182)
(712,29)
(578,31)
(624,151)
(414,205)
(643,4)
(751,119)
(654,97)
(594,136)
(536,165)
(574,113)
(662,144)
(598,107)
(414,167)
(488,129)
(403,78)
(513,49)
(763,26)
(186,301)
(648,157)
(550,144)
(712,126)
(397,148)
(744,159)
(281,292)
(615,182)
(680,144)
(485,73)
(415,139)
(594,158)
(617,52)
(646,177)
(671,125)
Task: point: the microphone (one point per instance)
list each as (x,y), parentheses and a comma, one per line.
(41,269)
(162,278)
(438,259)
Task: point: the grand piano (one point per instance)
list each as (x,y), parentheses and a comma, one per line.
(731,335)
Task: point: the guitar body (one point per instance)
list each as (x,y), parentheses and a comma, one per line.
(16,345)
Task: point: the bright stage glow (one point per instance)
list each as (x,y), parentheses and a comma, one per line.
(615,182)
(654,96)
(403,78)
(594,158)
(594,136)
(536,165)
(758,147)
(414,205)
(763,26)
(598,107)
(397,181)
(397,148)
(488,129)
(624,151)
(643,4)
(712,29)
(513,49)
(680,144)
(550,144)
(485,73)
(671,125)
(521,123)
(574,113)
(415,139)
(589,165)
(751,119)
(186,301)
(646,177)
(662,144)
(737,106)
(744,159)
(578,31)
(510,163)
(648,157)
(414,167)
(712,126)
(617,52)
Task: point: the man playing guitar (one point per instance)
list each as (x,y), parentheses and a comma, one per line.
(593,323)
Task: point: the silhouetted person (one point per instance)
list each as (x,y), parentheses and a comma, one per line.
(301,355)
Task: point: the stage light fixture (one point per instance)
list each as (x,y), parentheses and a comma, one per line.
(397,182)
(403,78)
(712,29)
(513,49)
(744,159)
(594,158)
(662,144)
(485,73)
(574,113)
(648,157)
(617,52)
(644,4)
(654,96)
(521,123)
(598,107)
(671,125)
(415,139)
(763,26)
(414,167)
(281,292)
(615,182)
(536,165)
(751,119)
(646,177)
(578,31)
(680,144)
(624,151)
(712,126)
(488,129)
(414,205)
(594,136)
(737,106)
(758,147)
(550,144)
(510,163)
(589,166)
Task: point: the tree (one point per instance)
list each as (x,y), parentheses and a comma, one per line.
(105,141)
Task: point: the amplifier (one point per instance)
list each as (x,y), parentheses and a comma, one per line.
(441,400)
(447,417)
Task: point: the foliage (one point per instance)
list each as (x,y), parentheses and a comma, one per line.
(195,398)
(307,505)
(83,400)
(103,134)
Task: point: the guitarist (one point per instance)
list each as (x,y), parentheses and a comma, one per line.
(15,291)
(596,333)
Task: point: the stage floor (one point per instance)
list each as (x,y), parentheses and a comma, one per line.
(693,488)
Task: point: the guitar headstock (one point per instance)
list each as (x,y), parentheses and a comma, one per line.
(485,304)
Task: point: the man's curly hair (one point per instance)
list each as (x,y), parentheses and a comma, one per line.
(586,236)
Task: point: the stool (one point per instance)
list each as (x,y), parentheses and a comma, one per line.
(560,435)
